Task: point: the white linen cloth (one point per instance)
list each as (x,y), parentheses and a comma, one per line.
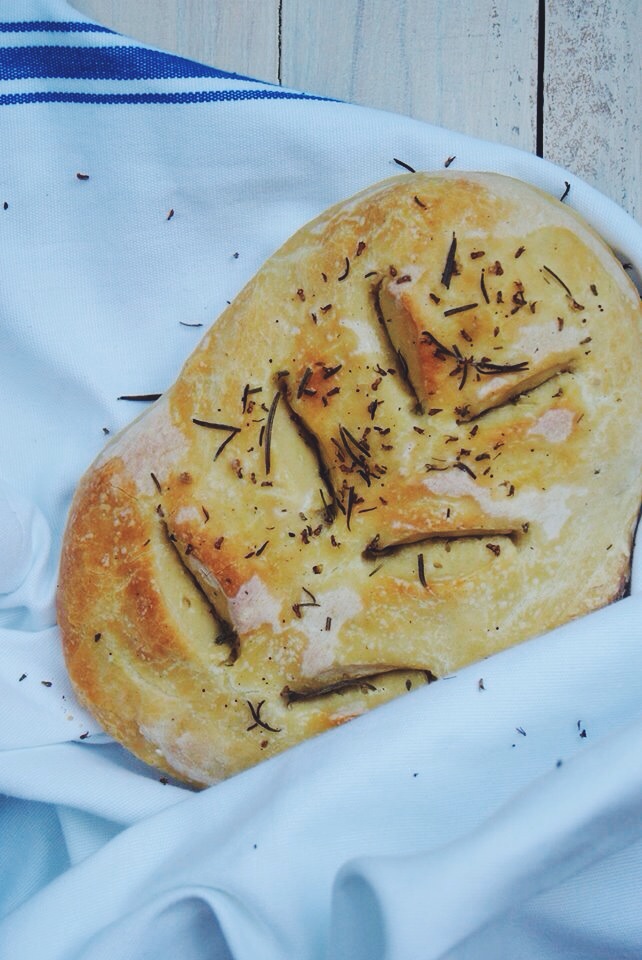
(462,821)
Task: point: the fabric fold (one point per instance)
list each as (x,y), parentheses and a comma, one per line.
(427,904)
(27,577)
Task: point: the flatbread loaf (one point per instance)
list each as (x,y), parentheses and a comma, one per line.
(412,440)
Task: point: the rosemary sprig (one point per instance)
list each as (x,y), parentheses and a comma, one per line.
(267,440)
(449,267)
(255,710)
(218,426)
(462,363)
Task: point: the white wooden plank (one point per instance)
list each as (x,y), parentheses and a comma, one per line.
(236,35)
(466,66)
(593,94)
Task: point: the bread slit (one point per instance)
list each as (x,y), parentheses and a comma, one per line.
(511,392)
(312,442)
(376,548)
(399,354)
(358,681)
(212,595)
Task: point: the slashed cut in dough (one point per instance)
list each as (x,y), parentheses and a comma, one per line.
(414,439)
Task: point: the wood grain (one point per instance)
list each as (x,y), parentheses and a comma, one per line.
(468,67)
(237,35)
(593,94)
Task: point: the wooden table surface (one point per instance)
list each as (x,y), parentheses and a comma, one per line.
(561,78)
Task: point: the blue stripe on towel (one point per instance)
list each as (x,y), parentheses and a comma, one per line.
(100,63)
(198,96)
(51,26)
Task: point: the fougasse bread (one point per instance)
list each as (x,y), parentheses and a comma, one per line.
(413,439)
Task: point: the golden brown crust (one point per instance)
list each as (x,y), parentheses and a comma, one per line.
(412,440)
